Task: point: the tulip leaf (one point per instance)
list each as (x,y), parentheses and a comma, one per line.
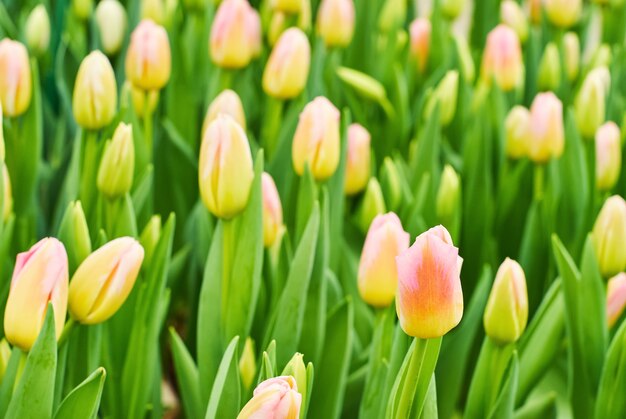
(430,403)
(505,403)
(307,196)
(142,189)
(541,407)
(353,393)
(8,380)
(611,402)
(226,390)
(84,400)
(178,141)
(187,376)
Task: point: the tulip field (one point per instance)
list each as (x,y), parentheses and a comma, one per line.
(322,209)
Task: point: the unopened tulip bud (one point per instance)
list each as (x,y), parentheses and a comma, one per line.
(272,211)
(112,24)
(305,15)
(372,204)
(615,298)
(278,25)
(82,8)
(449,193)
(378,276)
(15,79)
(358,159)
(608,156)
(452,8)
(466,62)
(430,299)
(335,22)
(38,30)
(95,92)
(225,171)
(546,137)
(590,103)
(563,13)
(230,43)
(445,95)
(316,140)
(255,32)
(150,238)
(506,313)
(153,10)
(517,126)
(247,364)
(571,53)
(5,356)
(40,277)
(609,236)
(512,15)
(502,58)
(287,68)
(104,280)
(420,30)
(7,194)
(228,103)
(287,6)
(74,232)
(115,175)
(534,10)
(550,68)
(277,397)
(296,368)
(144,101)
(392,15)
(148,58)
(602,57)
(391,184)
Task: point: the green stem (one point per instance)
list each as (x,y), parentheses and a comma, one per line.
(148,126)
(67,329)
(89,171)
(539,180)
(271,125)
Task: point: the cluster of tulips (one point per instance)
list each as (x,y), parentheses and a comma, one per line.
(207,209)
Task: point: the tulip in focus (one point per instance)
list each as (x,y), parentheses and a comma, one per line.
(148,58)
(104,280)
(546,136)
(287,68)
(609,236)
(608,156)
(115,175)
(506,313)
(378,275)
(571,53)
(502,58)
(276,398)
(590,103)
(40,277)
(15,79)
(517,132)
(225,171)
(615,298)
(335,22)
(229,103)
(230,43)
(512,15)
(429,302)
(112,23)
(563,13)
(272,210)
(316,140)
(7,193)
(287,6)
(358,159)
(420,30)
(38,30)
(95,92)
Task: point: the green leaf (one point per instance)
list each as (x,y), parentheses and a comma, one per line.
(430,404)
(226,391)
(84,400)
(187,376)
(611,402)
(542,407)
(307,196)
(8,380)
(505,403)
(142,189)
(179,142)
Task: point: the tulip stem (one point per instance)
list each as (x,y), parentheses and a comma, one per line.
(539,181)
(89,171)
(67,329)
(147,125)
(271,125)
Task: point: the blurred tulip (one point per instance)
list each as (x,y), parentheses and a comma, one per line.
(278,25)
(429,302)
(392,15)
(255,32)
(37,30)
(153,10)
(452,8)
(590,103)
(74,232)
(449,194)
(287,68)
(275,398)
(95,92)
(445,96)
(15,79)
(144,101)
(335,22)
(40,277)
(82,8)
(571,44)
(225,170)
(104,280)
(115,175)
(316,140)
(231,44)
(304,17)
(502,58)
(534,10)
(229,103)
(608,156)
(506,313)
(287,6)
(358,159)
(550,68)
(563,13)
(247,364)
(609,236)
(466,62)
(615,298)
(148,58)
(512,15)
(420,30)
(7,193)
(272,210)
(372,204)
(517,126)
(602,57)
(5,356)
(546,136)
(112,25)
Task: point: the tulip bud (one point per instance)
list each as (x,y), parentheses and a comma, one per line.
(112,24)
(2,144)
(563,13)
(358,160)
(287,6)
(502,58)
(590,103)
(287,67)
(615,298)
(5,356)
(278,25)
(75,233)
(38,30)
(517,126)
(550,68)
(230,44)
(15,80)
(506,312)
(449,194)
(445,95)
(392,15)
(430,300)
(420,30)
(512,15)
(378,276)
(316,140)
(104,280)
(466,62)
(255,32)
(335,22)
(304,17)
(229,103)
(150,238)
(571,44)
(225,171)
(148,58)
(602,57)
(153,10)
(608,156)
(534,10)
(40,277)
(277,397)
(272,211)
(142,99)
(115,175)
(391,184)
(7,193)
(372,205)
(95,92)
(82,8)
(546,136)
(247,364)
(296,368)
(609,236)
(452,8)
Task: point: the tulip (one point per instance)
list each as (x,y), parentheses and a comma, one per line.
(153,10)
(82,8)
(112,24)
(590,103)
(466,62)
(104,280)
(287,6)
(7,193)
(95,92)
(287,67)
(40,277)
(225,171)
(144,101)
(563,13)
(272,210)
(372,204)
(149,237)
(452,8)
(506,313)
(115,175)
(335,22)
(15,80)
(316,140)
(449,194)
(392,15)
(296,368)
(420,30)
(5,356)
(534,10)
(608,156)
(75,233)
(230,43)
(229,103)
(255,32)
(502,58)
(550,68)
(278,25)
(38,30)
(615,298)
(277,397)
(546,136)
(512,15)
(571,53)
(445,95)
(247,364)
(517,132)
(429,302)
(148,58)
(378,276)
(358,160)
(304,17)
(609,236)
(602,57)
